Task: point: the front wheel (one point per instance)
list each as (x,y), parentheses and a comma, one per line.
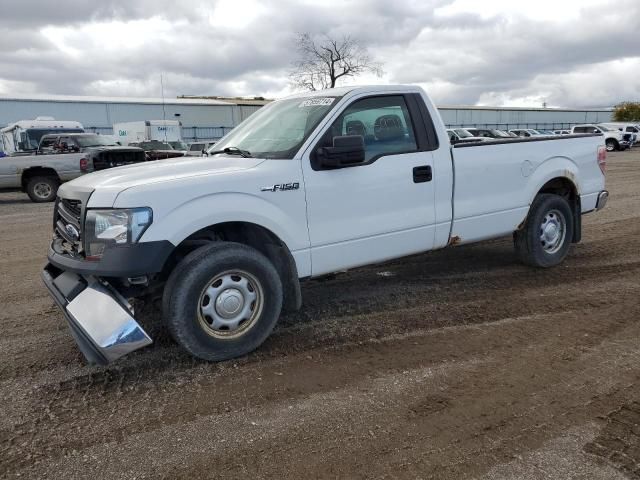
(222,301)
(42,189)
(611,145)
(546,237)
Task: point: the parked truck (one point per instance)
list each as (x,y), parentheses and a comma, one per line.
(309,185)
(613,138)
(167,131)
(24,136)
(61,157)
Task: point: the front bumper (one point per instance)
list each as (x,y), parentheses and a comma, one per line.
(100,320)
(120,261)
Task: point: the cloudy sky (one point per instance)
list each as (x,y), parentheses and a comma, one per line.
(579,53)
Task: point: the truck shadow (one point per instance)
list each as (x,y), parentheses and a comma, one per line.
(13,197)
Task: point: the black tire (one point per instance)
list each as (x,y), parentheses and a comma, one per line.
(612,145)
(531,246)
(42,189)
(182,300)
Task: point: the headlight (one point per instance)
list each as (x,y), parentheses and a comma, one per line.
(114,227)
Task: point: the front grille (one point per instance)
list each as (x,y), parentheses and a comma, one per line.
(627,137)
(72,206)
(116,159)
(67,226)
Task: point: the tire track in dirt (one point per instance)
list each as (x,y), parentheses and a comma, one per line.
(458,362)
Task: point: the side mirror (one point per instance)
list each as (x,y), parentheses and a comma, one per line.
(21,146)
(346,151)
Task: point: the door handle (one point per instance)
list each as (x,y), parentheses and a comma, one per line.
(422,174)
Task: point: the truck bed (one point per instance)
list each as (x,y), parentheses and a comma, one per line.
(506,175)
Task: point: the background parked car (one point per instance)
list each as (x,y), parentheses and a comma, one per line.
(526,132)
(488,133)
(460,135)
(630,128)
(179,146)
(156,150)
(197,148)
(614,139)
(562,132)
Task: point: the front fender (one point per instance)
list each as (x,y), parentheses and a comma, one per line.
(187,218)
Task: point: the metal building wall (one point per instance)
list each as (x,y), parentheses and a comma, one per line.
(105,114)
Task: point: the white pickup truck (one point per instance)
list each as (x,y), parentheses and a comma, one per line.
(311,184)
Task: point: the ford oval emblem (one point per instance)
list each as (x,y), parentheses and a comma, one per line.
(72,232)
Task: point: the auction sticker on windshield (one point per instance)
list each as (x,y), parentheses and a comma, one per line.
(314,102)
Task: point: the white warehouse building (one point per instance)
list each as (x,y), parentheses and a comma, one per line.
(209,118)
(204,119)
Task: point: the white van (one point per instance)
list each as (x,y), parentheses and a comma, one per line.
(167,131)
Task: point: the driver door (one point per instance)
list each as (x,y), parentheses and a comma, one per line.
(382,208)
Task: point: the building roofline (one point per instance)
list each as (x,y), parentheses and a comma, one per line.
(527,109)
(99,99)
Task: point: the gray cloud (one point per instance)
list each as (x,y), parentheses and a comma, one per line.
(64,47)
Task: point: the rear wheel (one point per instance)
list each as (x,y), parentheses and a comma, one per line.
(42,189)
(222,301)
(546,237)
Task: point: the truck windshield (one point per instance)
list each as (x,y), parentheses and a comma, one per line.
(94,141)
(500,133)
(278,129)
(178,145)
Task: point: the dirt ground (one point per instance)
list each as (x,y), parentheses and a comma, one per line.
(459,363)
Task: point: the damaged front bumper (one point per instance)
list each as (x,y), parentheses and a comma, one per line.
(100,319)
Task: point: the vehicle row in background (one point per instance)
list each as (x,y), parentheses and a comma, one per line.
(39,155)
(618,135)
(61,157)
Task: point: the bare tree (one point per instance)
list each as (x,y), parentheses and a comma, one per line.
(322,63)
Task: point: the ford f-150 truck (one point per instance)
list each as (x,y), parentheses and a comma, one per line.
(309,185)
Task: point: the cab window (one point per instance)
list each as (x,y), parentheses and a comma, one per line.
(384,123)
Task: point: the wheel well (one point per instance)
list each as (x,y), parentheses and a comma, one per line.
(29,173)
(565,188)
(252,235)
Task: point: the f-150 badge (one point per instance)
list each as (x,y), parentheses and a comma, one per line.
(281,187)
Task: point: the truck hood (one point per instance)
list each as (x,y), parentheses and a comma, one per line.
(114,180)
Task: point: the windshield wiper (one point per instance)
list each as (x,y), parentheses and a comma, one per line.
(231,151)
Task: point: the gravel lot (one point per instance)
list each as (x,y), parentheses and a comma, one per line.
(460,363)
